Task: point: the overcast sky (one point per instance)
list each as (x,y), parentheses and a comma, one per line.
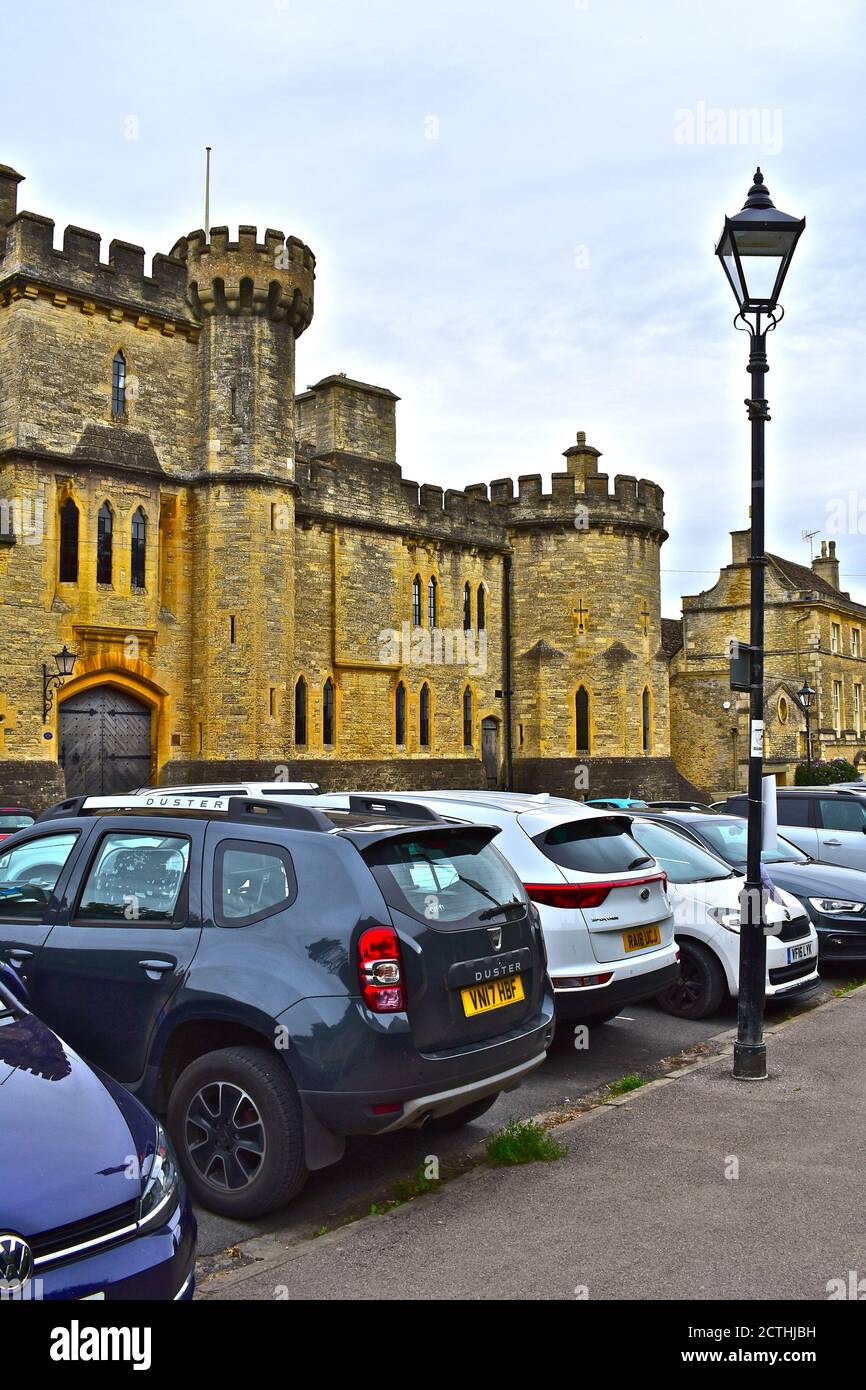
(514,209)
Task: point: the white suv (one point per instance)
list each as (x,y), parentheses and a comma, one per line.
(705,893)
(607,921)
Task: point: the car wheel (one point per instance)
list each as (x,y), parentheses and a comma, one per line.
(701,988)
(236,1123)
(456,1119)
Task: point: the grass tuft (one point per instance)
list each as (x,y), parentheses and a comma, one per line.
(625,1084)
(842,990)
(522,1141)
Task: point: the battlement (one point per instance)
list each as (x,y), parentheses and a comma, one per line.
(273,277)
(27,250)
(337,481)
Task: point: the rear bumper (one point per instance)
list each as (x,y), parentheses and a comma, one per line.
(431,1084)
(586,1004)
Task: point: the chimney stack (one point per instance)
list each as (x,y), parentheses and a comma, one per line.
(826,566)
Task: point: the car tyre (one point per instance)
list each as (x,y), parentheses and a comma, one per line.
(235,1119)
(456,1119)
(702,987)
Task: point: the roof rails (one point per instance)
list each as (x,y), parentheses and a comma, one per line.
(377,806)
(234,808)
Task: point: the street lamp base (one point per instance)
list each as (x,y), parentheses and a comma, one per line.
(750,1061)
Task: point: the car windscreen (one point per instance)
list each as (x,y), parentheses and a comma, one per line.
(443,877)
(594,846)
(682,860)
(728,838)
(15,820)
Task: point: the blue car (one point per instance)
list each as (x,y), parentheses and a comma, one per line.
(91,1202)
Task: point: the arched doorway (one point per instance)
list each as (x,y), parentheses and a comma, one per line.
(105,741)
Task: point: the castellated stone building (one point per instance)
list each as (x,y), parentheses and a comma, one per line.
(247,581)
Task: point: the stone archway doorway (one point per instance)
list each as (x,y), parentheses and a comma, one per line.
(105,741)
(490,750)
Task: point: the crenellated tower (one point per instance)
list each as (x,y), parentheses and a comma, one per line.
(253,299)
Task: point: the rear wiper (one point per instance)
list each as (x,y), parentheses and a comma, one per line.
(638,863)
(500,907)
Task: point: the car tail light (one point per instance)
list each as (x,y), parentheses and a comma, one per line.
(585,894)
(380,966)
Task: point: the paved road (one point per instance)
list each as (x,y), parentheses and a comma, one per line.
(636,1041)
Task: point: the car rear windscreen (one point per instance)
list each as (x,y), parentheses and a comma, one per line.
(442,878)
(594,847)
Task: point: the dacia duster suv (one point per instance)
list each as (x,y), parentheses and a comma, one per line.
(276,977)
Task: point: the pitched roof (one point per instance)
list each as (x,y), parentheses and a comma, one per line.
(672,635)
(801,577)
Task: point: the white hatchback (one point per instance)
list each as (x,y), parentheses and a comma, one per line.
(607,921)
(705,893)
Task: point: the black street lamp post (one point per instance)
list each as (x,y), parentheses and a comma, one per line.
(52,680)
(755,250)
(806,696)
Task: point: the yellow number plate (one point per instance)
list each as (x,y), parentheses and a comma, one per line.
(480,999)
(640,937)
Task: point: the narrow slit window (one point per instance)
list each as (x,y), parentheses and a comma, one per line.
(300,712)
(104,544)
(68,572)
(581,711)
(400,715)
(424,717)
(467,717)
(482,608)
(118,386)
(138,556)
(416,601)
(432,602)
(328,714)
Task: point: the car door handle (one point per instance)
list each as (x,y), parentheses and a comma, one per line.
(831,842)
(18,956)
(155,968)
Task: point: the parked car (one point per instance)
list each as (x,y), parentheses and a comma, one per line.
(91,1202)
(14,818)
(608,926)
(277,977)
(705,893)
(827,825)
(677,806)
(616,803)
(834,897)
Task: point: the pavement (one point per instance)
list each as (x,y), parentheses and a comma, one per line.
(695,1186)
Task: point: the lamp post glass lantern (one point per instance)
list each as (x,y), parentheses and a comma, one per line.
(64,661)
(806,696)
(755,251)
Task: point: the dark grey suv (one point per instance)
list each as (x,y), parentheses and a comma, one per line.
(277,977)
